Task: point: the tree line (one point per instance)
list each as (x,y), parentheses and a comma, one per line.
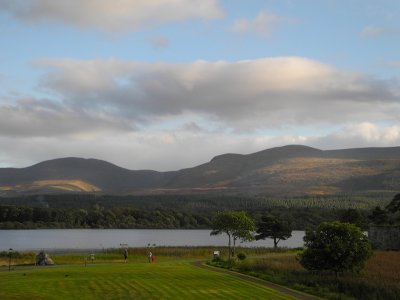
(27,217)
(336,246)
(200,202)
(24,217)
(186,212)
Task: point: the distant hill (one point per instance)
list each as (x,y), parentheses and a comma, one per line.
(289,170)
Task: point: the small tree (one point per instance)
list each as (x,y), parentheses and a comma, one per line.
(274,228)
(337,247)
(244,229)
(236,225)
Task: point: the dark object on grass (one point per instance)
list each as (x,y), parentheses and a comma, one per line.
(125,254)
(43,259)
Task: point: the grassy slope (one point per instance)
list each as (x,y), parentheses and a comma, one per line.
(178,280)
(379,280)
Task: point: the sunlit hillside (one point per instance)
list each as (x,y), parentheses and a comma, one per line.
(284,171)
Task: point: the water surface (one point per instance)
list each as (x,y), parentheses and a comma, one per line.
(97,239)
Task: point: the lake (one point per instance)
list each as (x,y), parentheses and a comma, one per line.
(98,239)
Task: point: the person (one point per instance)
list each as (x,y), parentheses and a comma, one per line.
(153,258)
(149,257)
(126,254)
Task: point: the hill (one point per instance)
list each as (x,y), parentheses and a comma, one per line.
(289,170)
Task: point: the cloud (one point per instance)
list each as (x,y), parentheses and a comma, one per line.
(111,16)
(263,24)
(375,31)
(260,93)
(159,42)
(394,63)
(372,31)
(41,118)
(170,150)
(364,134)
(170,116)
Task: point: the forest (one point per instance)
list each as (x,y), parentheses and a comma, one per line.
(171,211)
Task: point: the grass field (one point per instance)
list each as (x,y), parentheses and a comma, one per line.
(379,280)
(135,255)
(167,280)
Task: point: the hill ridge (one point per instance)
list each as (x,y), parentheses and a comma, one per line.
(286,170)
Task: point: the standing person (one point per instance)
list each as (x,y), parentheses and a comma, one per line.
(150,257)
(153,258)
(125,254)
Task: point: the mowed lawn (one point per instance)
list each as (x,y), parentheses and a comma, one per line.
(167,280)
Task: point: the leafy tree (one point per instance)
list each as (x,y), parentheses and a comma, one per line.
(236,225)
(353,216)
(379,216)
(274,228)
(337,247)
(244,229)
(394,205)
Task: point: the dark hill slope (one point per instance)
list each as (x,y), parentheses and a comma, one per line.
(226,168)
(106,176)
(288,170)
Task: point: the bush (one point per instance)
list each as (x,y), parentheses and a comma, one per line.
(217,259)
(337,247)
(241,256)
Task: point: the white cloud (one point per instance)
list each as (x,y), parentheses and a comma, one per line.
(111,16)
(376,31)
(240,95)
(372,31)
(41,118)
(170,150)
(263,24)
(364,134)
(170,116)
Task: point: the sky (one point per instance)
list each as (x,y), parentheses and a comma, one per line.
(169,84)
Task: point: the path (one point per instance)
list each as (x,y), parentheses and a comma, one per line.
(268,284)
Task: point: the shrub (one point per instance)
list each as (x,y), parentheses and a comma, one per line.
(241,256)
(337,247)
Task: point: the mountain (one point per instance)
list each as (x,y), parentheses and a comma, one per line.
(288,170)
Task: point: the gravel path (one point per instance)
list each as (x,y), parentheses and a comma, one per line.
(268,284)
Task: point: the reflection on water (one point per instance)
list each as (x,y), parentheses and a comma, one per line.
(96,239)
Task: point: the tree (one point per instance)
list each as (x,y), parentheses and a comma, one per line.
(394,205)
(353,216)
(274,228)
(379,216)
(236,225)
(337,247)
(244,229)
